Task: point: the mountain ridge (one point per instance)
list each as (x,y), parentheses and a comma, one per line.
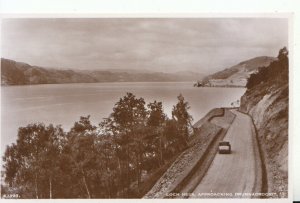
(20,73)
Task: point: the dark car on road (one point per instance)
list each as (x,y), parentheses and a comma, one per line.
(224,147)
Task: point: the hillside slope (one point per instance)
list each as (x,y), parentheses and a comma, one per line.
(237,75)
(17,73)
(266,100)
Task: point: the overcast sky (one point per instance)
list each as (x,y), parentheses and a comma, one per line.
(167,45)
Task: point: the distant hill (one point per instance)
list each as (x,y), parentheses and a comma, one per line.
(18,73)
(237,75)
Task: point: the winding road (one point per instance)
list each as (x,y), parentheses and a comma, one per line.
(238,172)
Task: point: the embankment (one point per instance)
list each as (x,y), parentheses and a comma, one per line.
(267,103)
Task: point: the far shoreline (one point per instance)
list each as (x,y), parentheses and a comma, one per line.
(114,82)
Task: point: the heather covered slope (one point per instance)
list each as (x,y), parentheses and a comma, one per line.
(266,100)
(237,75)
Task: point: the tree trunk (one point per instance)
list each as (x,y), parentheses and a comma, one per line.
(161,150)
(36,187)
(121,183)
(128,168)
(119,166)
(85,184)
(108,188)
(109,178)
(50,187)
(138,172)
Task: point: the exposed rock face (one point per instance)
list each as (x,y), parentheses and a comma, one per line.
(267,103)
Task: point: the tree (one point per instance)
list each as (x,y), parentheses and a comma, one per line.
(283,59)
(156,121)
(283,54)
(81,148)
(91,162)
(107,179)
(51,155)
(156,115)
(31,163)
(12,163)
(128,112)
(183,118)
(125,124)
(174,142)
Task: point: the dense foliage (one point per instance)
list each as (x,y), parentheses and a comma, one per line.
(108,161)
(276,72)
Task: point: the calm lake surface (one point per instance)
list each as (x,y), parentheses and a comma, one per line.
(65,103)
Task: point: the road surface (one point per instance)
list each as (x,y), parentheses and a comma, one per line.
(235,172)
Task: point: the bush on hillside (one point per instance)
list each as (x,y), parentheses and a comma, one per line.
(277,71)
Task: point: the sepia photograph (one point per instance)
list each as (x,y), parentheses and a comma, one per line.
(145,107)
